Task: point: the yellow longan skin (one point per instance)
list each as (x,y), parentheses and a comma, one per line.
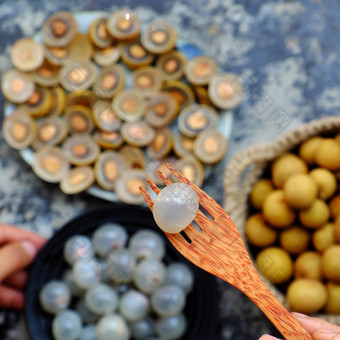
(324,237)
(258,232)
(327,154)
(316,215)
(337,229)
(285,166)
(276,211)
(333,302)
(330,263)
(307,149)
(275,264)
(307,296)
(259,192)
(334,205)
(308,266)
(326,182)
(300,191)
(295,240)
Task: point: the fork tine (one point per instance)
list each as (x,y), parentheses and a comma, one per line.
(191,232)
(166,180)
(153,186)
(205,200)
(178,241)
(147,197)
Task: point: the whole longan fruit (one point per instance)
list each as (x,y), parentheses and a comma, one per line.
(276,211)
(258,232)
(337,229)
(327,154)
(326,182)
(275,264)
(334,205)
(333,301)
(324,237)
(300,191)
(285,166)
(330,263)
(260,191)
(337,138)
(316,215)
(306,296)
(307,149)
(308,266)
(295,240)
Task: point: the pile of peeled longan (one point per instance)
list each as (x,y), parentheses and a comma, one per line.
(294,225)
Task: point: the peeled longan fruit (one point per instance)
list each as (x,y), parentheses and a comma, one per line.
(306,296)
(285,166)
(337,229)
(276,210)
(259,192)
(308,266)
(333,301)
(258,232)
(326,182)
(307,149)
(295,240)
(327,154)
(316,215)
(324,237)
(334,205)
(300,191)
(330,263)
(275,264)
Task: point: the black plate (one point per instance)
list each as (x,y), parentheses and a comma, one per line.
(202,303)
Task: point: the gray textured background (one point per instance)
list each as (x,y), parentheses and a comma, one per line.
(287,56)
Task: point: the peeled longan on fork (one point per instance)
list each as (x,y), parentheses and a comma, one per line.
(218,249)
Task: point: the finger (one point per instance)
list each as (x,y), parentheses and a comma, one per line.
(11,298)
(325,334)
(15,234)
(17,279)
(268,337)
(16,256)
(312,323)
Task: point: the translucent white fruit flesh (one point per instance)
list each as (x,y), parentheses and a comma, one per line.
(175,207)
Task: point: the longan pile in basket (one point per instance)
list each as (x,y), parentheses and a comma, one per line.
(294,225)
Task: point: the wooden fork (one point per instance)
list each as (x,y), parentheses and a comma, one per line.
(218,249)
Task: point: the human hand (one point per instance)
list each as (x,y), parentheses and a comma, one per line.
(18,248)
(319,329)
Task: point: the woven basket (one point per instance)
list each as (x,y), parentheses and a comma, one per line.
(246,168)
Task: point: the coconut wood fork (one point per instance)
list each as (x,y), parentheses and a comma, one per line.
(218,249)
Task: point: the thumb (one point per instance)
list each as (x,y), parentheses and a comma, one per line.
(16,256)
